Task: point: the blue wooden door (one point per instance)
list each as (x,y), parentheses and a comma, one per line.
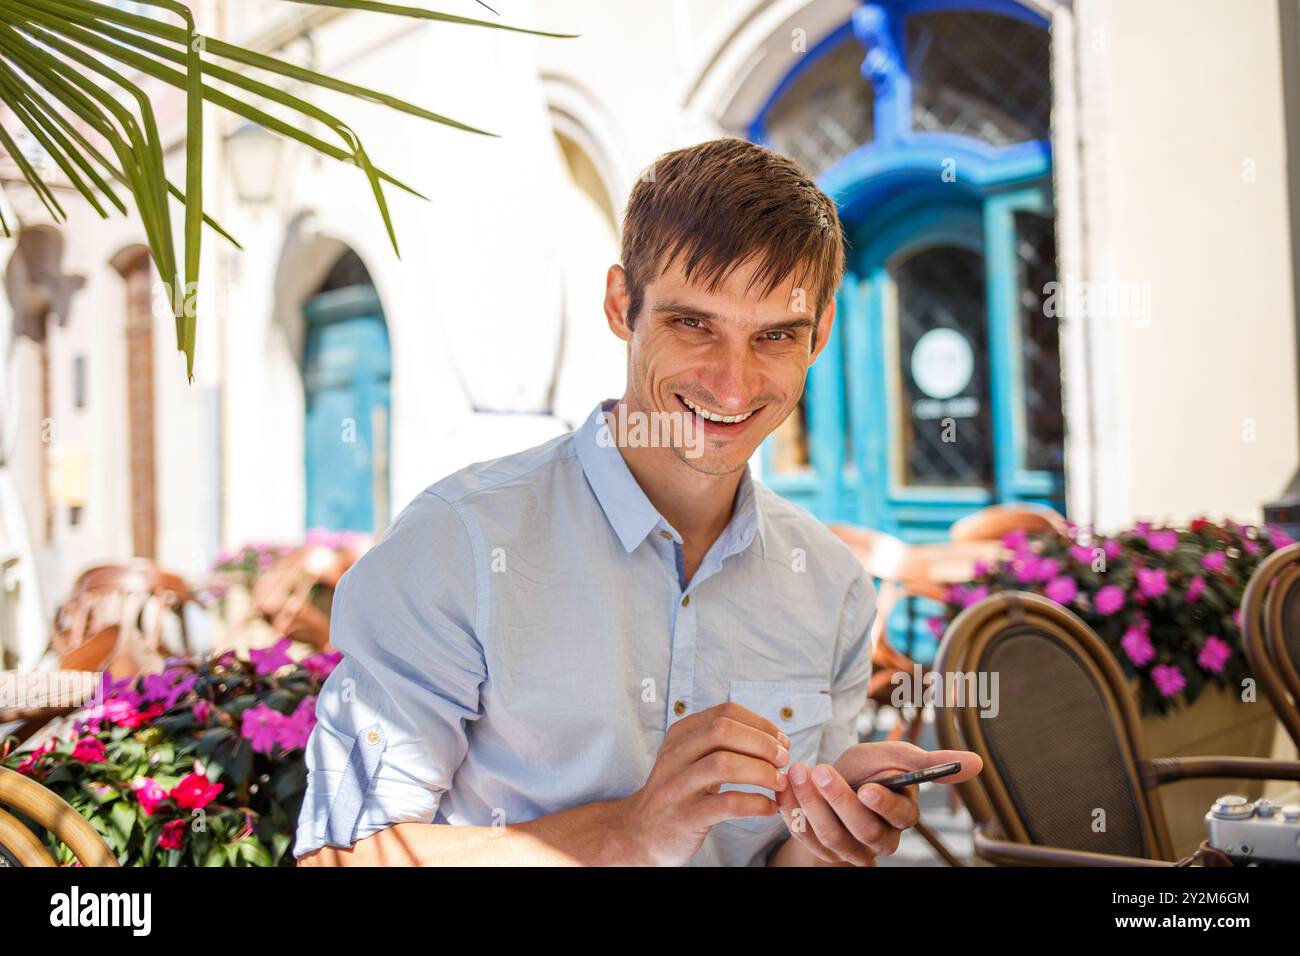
(347,365)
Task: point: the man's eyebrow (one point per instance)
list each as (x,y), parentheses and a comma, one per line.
(690,311)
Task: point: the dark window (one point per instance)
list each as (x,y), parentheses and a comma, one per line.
(1040,345)
(826,113)
(979,75)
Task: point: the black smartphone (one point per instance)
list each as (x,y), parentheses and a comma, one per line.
(903,780)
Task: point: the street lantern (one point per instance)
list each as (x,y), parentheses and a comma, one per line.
(254,155)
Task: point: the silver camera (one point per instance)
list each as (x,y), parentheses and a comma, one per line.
(1255,831)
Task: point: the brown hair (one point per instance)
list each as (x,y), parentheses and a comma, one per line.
(719,203)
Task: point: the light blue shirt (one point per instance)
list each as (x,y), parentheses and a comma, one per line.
(519,641)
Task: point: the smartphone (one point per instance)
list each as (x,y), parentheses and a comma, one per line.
(903,780)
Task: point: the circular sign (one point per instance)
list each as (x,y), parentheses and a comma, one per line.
(942,363)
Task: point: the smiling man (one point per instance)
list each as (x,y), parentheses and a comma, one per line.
(615,649)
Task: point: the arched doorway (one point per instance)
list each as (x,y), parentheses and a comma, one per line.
(940,392)
(347,366)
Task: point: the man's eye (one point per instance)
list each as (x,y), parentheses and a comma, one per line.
(777,335)
(691,323)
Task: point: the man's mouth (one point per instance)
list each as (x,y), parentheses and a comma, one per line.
(717,420)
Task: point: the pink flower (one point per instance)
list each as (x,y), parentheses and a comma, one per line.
(1152,582)
(149,793)
(1137,646)
(295,730)
(1169,679)
(971,596)
(1214,654)
(1214,561)
(89,750)
(1278,537)
(1062,590)
(1016,540)
(173,835)
(261,726)
(1109,599)
(322,665)
(1195,589)
(141,716)
(194,792)
(937,625)
(1250,547)
(202,709)
(1081,554)
(1162,540)
(1113,549)
(26,764)
(268,660)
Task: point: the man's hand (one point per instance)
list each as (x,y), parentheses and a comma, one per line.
(665,821)
(838,825)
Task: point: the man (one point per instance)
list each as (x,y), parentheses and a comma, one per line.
(617,647)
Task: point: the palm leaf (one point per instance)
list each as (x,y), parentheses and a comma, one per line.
(66,79)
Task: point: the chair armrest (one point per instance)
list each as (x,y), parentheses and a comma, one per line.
(1164,770)
(1005,853)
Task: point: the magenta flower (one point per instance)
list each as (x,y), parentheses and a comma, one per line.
(1142,528)
(1250,547)
(89,750)
(1214,654)
(296,728)
(1165,540)
(202,710)
(1169,680)
(149,793)
(1195,589)
(1081,554)
(1278,537)
(1214,561)
(321,665)
(1109,599)
(1137,646)
(937,626)
(1062,589)
(971,596)
(173,835)
(1016,540)
(270,659)
(260,726)
(26,764)
(1152,582)
(1113,549)
(194,792)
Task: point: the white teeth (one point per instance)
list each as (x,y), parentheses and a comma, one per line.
(713,416)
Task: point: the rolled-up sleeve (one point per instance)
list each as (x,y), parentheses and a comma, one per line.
(391,718)
(852,669)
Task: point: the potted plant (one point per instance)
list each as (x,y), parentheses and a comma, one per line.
(199,765)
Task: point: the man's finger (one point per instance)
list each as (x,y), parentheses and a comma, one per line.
(721,734)
(866,826)
(796,821)
(826,825)
(899,810)
(710,772)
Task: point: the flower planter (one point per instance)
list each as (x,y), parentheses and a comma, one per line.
(1219,723)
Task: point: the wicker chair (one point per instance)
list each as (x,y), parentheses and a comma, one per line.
(20,847)
(1270,629)
(996,521)
(1065,742)
(296,593)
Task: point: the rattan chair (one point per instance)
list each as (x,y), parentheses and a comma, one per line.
(1270,630)
(19,846)
(296,593)
(997,521)
(1067,780)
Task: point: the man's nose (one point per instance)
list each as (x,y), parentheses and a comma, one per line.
(732,377)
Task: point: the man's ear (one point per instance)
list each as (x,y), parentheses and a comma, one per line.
(824,324)
(616,302)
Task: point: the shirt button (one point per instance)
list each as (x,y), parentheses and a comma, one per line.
(666,534)
(372,737)
(686,601)
(787,713)
(679,708)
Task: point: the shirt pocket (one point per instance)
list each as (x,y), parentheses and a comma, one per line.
(799,709)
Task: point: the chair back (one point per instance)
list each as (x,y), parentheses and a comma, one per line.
(296,593)
(997,521)
(1060,737)
(1270,632)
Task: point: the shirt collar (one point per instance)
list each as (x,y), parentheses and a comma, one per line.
(626,506)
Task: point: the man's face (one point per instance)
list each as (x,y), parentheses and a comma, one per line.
(731,353)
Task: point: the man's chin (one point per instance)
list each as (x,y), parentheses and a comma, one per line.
(710,463)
